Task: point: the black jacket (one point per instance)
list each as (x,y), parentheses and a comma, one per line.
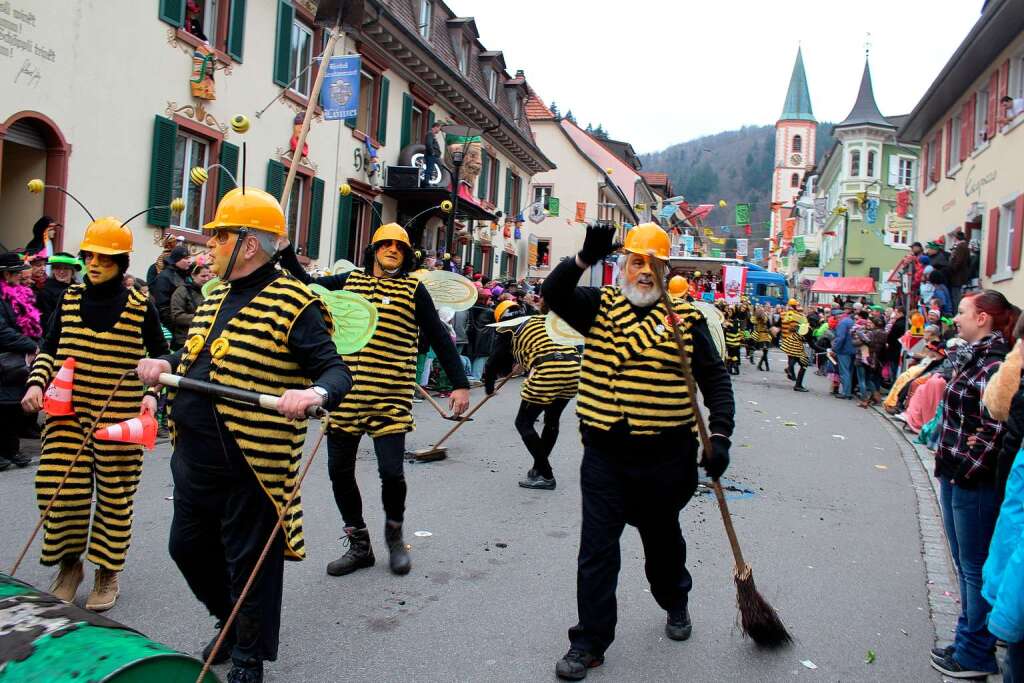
(1012,438)
(12,341)
(432,148)
(161,291)
(958,272)
(481,337)
(184,303)
(47,299)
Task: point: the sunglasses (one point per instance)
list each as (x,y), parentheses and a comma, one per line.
(222,235)
(100,259)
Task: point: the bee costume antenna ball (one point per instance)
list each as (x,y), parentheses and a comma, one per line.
(240,123)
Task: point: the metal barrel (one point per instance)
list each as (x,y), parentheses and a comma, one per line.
(43,639)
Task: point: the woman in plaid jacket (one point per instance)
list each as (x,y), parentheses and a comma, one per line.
(965,463)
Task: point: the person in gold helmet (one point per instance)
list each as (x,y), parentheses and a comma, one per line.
(381,401)
(234,466)
(107,329)
(637,422)
(791,342)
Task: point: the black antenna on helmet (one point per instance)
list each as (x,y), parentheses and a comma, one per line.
(177,205)
(37,186)
(243,167)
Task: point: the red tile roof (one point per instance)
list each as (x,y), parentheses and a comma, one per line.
(536,110)
(654,178)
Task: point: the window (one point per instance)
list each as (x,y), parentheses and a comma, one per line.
(517,195)
(418,124)
(517,108)
(854,163)
(463,56)
(931,162)
(794,180)
(543,254)
(541,194)
(954,142)
(295,208)
(492,85)
(871,164)
(367,82)
(201,19)
(980,116)
(905,172)
(190,151)
(425,18)
(1007,215)
(302,56)
(798,143)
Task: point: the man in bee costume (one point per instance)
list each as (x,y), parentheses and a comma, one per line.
(637,423)
(554,373)
(733,340)
(234,465)
(380,404)
(792,344)
(762,337)
(106,329)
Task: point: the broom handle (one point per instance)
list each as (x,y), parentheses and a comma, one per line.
(478,406)
(67,474)
(426,394)
(702,429)
(262,558)
(314,98)
(250,397)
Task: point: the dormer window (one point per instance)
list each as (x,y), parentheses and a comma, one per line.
(425,18)
(463,56)
(517,108)
(492,85)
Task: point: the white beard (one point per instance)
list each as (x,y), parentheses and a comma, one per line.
(639,298)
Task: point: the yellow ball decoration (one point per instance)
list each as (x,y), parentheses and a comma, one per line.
(240,123)
(219,347)
(447,256)
(722,203)
(177,205)
(446,206)
(35,186)
(198,175)
(195,344)
(344,189)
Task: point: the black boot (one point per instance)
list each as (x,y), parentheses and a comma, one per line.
(401,563)
(21,460)
(359,554)
(536,480)
(249,671)
(800,380)
(224,653)
(678,625)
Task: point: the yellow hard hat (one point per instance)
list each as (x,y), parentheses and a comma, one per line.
(107,236)
(391,231)
(647,237)
(794,302)
(254,209)
(500,309)
(678,285)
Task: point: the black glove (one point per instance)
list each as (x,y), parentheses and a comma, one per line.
(716,462)
(599,242)
(489,384)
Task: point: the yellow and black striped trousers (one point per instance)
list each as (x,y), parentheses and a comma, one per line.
(114,467)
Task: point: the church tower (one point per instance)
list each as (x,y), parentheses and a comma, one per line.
(795,134)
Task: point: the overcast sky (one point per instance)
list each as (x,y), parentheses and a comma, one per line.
(660,72)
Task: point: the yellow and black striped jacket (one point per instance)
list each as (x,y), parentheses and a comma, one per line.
(100,358)
(252,353)
(790,341)
(383,371)
(733,334)
(631,368)
(552,379)
(761,331)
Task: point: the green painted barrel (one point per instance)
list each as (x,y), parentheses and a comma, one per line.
(43,639)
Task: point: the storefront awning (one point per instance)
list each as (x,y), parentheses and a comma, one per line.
(416,199)
(844,285)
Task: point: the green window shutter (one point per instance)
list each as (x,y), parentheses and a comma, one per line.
(492,188)
(481,192)
(406,120)
(173,12)
(229,160)
(382,121)
(316,212)
(161,171)
(341,236)
(430,119)
(283,44)
(478,257)
(508,192)
(236,29)
(275,178)
(375,220)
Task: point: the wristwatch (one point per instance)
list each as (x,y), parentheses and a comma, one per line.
(321,392)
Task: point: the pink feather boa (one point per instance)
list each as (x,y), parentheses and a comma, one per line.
(23,301)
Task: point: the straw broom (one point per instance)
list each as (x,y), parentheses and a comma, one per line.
(758,619)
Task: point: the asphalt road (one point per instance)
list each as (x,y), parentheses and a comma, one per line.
(824,510)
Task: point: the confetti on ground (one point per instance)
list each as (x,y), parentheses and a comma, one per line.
(753,403)
(881,467)
(869,658)
(787,423)
(809,664)
(839,436)
(422,534)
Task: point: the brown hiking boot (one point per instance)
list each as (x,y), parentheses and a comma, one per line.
(104,591)
(69,577)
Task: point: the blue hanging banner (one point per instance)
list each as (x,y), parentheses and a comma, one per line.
(340,94)
(688,243)
(872,211)
(758,254)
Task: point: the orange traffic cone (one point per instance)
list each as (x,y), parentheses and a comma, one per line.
(140,430)
(57,400)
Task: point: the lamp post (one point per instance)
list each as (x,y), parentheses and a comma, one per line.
(468,134)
